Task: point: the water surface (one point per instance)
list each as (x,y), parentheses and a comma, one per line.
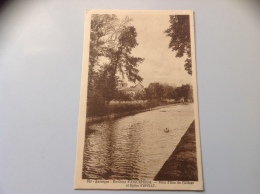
(136,146)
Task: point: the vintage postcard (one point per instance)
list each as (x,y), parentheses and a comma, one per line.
(138,120)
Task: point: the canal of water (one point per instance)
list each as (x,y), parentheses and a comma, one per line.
(136,146)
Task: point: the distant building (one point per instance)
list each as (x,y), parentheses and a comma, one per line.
(133,90)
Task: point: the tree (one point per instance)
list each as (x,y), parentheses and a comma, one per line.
(111,44)
(106,83)
(104,32)
(185,92)
(139,95)
(121,61)
(121,95)
(179,32)
(155,91)
(168,91)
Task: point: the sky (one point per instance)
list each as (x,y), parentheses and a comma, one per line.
(160,64)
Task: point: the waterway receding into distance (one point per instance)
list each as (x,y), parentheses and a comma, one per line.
(136,146)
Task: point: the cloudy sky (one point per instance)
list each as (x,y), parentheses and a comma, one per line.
(160,63)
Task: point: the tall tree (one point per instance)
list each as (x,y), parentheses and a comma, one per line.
(121,61)
(179,32)
(185,92)
(104,32)
(168,91)
(155,91)
(111,44)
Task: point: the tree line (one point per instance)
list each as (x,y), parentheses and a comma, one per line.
(158,92)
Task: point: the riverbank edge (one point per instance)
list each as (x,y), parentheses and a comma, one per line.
(119,115)
(182,164)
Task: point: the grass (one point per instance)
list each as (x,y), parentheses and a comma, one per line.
(127,107)
(182,164)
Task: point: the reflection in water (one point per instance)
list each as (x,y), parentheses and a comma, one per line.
(134,147)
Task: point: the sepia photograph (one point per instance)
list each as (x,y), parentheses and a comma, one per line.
(138,120)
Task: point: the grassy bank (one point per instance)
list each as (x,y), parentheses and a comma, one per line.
(115,110)
(182,164)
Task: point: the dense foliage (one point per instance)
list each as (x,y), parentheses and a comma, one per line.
(157,91)
(179,32)
(111,44)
